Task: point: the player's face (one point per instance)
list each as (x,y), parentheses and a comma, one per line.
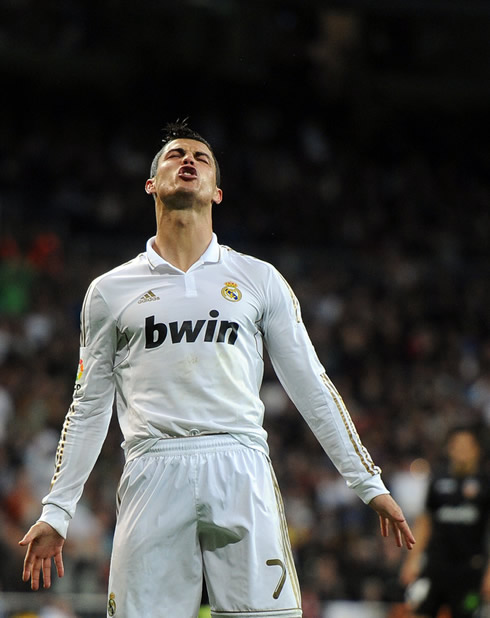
(186,173)
(463,450)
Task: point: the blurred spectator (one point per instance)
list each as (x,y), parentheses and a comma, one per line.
(379,219)
(450,565)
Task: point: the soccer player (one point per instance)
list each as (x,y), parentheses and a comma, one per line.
(177,334)
(450,564)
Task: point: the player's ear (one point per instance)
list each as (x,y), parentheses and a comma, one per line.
(150,186)
(218,196)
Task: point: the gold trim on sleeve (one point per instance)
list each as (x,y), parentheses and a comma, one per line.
(360,449)
(295,301)
(61,446)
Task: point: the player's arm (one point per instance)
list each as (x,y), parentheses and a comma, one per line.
(485,584)
(412,565)
(313,393)
(82,436)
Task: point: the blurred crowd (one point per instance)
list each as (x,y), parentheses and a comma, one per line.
(380,222)
(386,247)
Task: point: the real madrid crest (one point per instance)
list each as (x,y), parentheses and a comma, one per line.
(231,292)
(111,605)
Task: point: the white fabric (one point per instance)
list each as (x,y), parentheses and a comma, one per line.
(183,352)
(221,513)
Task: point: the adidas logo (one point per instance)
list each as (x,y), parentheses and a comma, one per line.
(148,297)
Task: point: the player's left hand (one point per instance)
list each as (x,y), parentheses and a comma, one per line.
(391,516)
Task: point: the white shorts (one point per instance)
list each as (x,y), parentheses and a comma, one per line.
(202,506)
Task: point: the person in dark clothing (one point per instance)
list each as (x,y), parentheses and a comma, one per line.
(449,566)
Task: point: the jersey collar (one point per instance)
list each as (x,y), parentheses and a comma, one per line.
(155,261)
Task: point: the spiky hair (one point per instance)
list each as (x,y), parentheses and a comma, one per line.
(176,130)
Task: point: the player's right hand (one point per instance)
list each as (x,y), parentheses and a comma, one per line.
(43,543)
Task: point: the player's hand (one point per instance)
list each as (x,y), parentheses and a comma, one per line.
(43,543)
(391,516)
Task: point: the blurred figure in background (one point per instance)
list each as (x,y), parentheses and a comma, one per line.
(449,565)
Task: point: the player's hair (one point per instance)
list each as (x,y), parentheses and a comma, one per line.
(176,130)
(473,430)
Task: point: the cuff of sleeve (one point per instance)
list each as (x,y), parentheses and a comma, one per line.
(56,517)
(370,488)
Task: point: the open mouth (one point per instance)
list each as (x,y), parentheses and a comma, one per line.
(188,172)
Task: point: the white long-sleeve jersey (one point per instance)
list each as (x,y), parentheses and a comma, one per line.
(182,352)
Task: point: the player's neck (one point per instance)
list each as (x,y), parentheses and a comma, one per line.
(183,236)
(464,469)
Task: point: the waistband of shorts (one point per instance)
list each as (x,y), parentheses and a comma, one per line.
(204,443)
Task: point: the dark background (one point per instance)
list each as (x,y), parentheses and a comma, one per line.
(353,142)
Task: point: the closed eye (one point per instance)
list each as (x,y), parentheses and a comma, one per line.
(180,152)
(202,156)
(176,152)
